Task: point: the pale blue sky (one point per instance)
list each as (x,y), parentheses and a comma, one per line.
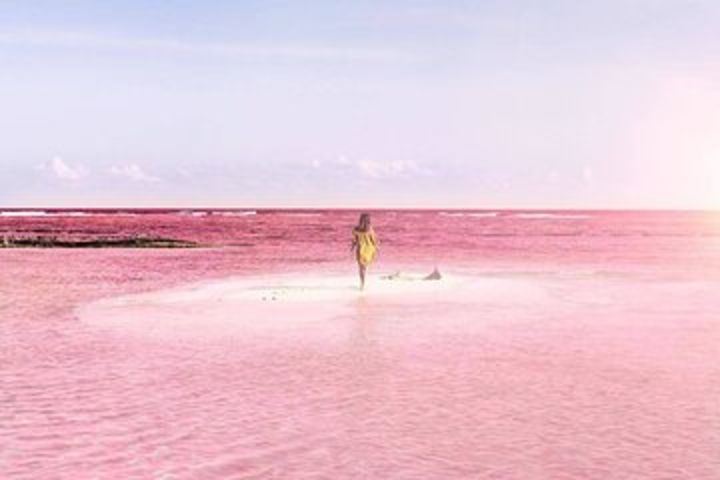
(409,103)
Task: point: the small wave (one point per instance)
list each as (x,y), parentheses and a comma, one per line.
(121,214)
(42,213)
(31,213)
(193,213)
(551,216)
(70,214)
(470,214)
(235,214)
(300,214)
(219,213)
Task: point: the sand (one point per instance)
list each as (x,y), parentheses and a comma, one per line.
(278,304)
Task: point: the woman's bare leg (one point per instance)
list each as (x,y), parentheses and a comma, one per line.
(361,271)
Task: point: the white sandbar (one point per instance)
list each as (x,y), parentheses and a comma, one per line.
(272,304)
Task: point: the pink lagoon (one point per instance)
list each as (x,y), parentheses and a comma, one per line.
(365,240)
(557,345)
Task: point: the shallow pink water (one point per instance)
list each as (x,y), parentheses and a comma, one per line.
(610,369)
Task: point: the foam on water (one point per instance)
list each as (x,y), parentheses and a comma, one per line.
(471,214)
(235,213)
(552,216)
(41,213)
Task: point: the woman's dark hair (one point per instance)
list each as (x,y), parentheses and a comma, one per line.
(364,223)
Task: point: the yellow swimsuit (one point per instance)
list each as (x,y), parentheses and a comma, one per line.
(366,246)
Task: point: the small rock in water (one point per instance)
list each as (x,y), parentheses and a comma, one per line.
(435,275)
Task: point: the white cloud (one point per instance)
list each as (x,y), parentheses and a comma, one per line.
(63,170)
(92,40)
(134,172)
(394,168)
(372,168)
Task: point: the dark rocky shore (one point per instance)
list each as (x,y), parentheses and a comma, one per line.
(128,242)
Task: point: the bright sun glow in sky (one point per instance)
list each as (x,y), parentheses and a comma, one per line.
(595,104)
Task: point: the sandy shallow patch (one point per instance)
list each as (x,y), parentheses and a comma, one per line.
(281,304)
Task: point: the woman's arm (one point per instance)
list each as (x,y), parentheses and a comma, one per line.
(354,242)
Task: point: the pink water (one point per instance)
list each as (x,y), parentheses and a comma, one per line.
(602,360)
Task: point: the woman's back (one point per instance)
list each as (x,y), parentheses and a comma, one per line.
(366,245)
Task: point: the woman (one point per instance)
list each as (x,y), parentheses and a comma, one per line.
(364,244)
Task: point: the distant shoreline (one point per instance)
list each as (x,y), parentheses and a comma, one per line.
(132,242)
(20,212)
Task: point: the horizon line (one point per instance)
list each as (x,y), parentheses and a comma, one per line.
(371,208)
